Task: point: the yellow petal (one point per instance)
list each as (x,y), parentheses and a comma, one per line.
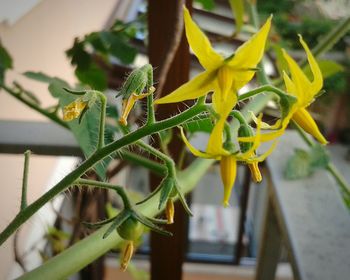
(315,69)
(300,81)
(265,125)
(197,87)
(215,142)
(228,168)
(200,44)
(248,55)
(255,172)
(304,119)
(192,149)
(291,89)
(74,109)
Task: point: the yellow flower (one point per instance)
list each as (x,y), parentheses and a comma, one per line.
(74,109)
(228,160)
(305,91)
(224,77)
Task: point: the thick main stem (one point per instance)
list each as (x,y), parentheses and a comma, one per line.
(128,139)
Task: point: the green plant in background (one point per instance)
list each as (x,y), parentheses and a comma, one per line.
(232,138)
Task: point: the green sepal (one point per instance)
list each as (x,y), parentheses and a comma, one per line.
(75,92)
(166,189)
(147,222)
(152,194)
(286,103)
(98,224)
(118,220)
(182,199)
(138,80)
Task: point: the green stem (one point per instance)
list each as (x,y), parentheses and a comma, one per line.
(330,39)
(104,185)
(150,110)
(264,88)
(99,155)
(25,180)
(85,251)
(170,164)
(35,107)
(330,166)
(153,166)
(101,135)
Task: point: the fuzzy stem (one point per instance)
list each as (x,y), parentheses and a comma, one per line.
(99,155)
(101,135)
(34,106)
(25,180)
(85,251)
(330,166)
(104,185)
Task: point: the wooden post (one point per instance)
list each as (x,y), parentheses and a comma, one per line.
(167,253)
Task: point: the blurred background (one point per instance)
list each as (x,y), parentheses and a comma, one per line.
(95,44)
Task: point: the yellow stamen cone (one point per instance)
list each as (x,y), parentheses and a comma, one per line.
(255,172)
(307,123)
(73,110)
(127,254)
(228,167)
(128,104)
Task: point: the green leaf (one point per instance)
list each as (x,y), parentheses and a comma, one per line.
(328,68)
(207,4)
(5,62)
(85,132)
(38,76)
(298,166)
(303,163)
(119,46)
(237,8)
(92,76)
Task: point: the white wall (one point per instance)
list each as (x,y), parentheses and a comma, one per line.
(37,42)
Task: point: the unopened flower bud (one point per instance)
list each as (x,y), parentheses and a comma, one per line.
(170,211)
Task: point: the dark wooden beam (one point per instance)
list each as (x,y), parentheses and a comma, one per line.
(167,254)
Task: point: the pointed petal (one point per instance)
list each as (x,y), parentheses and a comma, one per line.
(197,87)
(315,69)
(192,149)
(249,55)
(304,119)
(290,87)
(200,44)
(302,84)
(228,168)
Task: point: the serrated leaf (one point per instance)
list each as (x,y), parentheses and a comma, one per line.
(237,8)
(319,157)
(93,76)
(298,166)
(327,67)
(85,132)
(119,47)
(38,76)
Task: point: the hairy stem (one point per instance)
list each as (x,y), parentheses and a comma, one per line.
(25,180)
(34,106)
(99,155)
